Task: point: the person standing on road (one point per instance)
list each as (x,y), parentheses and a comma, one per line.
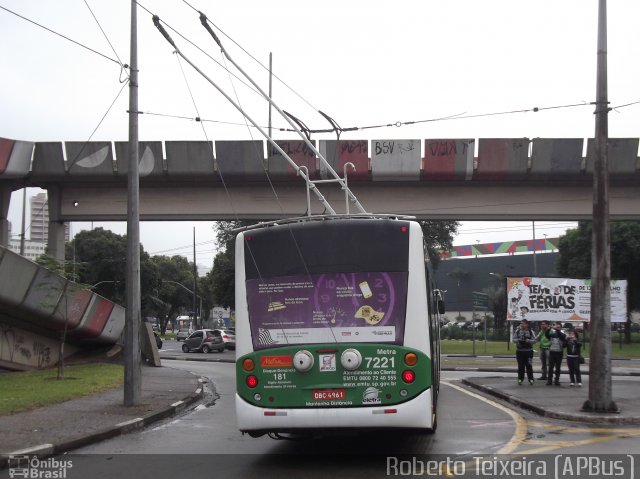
(524,340)
(573,358)
(544,348)
(556,338)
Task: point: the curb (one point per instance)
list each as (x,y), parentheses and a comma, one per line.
(544,412)
(203,360)
(514,370)
(45,450)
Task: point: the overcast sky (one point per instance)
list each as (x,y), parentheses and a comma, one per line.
(363,63)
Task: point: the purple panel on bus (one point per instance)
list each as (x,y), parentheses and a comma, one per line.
(366,307)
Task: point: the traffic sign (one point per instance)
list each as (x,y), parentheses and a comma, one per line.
(480,300)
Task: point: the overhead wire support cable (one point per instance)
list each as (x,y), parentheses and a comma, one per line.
(321,198)
(62,36)
(104,34)
(338,179)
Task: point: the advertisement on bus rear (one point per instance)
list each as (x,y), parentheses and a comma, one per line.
(328,308)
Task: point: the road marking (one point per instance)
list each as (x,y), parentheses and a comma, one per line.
(520,433)
(554,445)
(473,424)
(602,435)
(519,438)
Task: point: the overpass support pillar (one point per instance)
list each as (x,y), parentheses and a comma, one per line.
(55,245)
(5,199)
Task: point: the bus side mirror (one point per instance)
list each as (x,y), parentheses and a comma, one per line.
(441,306)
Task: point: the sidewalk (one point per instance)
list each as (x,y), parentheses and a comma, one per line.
(78,422)
(558,402)
(563,402)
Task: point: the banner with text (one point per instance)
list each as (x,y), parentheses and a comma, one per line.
(560,299)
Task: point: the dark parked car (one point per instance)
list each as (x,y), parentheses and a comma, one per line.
(203,340)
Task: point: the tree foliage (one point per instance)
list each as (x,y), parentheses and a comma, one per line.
(575,255)
(97,259)
(497,294)
(170,299)
(438,237)
(220,281)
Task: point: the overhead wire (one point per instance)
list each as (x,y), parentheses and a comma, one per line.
(457,116)
(118,61)
(77,156)
(206,136)
(196,119)
(254,59)
(258,157)
(61,35)
(197,47)
(516,228)
(122,65)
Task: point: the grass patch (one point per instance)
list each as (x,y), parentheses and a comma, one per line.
(22,391)
(453,346)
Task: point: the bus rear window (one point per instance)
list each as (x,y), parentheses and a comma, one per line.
(365,307)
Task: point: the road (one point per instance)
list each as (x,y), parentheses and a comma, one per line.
(205,439)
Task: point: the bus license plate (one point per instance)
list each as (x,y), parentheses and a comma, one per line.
(329,394)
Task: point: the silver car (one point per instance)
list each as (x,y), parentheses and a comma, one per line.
(228,337)
(203,340)
(183,334)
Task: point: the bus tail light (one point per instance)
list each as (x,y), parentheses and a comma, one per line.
(248,365)
(252,381)
(410,359)
(408,376)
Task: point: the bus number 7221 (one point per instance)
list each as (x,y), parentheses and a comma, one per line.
(380,363)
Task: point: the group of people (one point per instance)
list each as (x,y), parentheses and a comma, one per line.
(552,344)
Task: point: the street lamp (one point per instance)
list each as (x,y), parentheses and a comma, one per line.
(105,281)
(192,292)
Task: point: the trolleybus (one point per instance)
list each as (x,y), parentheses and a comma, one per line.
(337,326)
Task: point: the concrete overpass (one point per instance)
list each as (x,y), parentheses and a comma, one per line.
(461,179)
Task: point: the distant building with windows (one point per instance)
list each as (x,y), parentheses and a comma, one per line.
(39,225)
(36,231)
(32,249)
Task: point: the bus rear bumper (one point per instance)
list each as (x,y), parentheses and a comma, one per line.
(413,414)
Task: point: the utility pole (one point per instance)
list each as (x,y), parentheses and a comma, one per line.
(270,87)
(195,281)
(24,214)
(535,262)
(132,370)
(600,395)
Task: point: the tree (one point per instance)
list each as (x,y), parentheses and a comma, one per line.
(171,298)
(498,303)
(575,257)
(438,237)
(98,257)
(219,283)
